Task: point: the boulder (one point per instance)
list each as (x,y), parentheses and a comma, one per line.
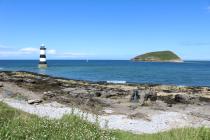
(186,99)
(144,96)
(1,85)
(27,80)
(97,94)
(68,89)
(135,96)
(34,101)
(98,101)
(139,115)
(147,96)
(4,77)
(49,94)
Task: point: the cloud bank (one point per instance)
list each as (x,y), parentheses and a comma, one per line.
(34,52)
(28,50)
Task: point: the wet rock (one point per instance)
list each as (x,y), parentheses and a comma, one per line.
(97,94)
(186,99)
(139,115)
(147,97)
(64,85)
(109,94)
(4,77)
(64,99)
(135,96)
(169,99)
(98,101)
(68,89)
(49,94)
(169,105)
(29,81)
(167,91)
(34,101)
(86,96)
(13,79)
(204,99)
(79,91)
(50,81)
(133,107)
(73,95)
(150,95)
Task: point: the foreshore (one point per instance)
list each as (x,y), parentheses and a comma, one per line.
(163,107)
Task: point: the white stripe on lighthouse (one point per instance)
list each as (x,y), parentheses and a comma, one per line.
(42,59)
(42,52)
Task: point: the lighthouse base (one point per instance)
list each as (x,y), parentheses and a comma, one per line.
(42,66)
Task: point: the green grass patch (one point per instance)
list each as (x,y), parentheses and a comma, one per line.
(18,125)
(15,124)
(176,134)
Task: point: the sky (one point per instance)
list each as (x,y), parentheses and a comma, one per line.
(104,29)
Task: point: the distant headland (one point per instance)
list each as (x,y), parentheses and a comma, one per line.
(159,56)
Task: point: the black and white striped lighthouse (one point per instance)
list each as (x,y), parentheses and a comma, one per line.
(42,60)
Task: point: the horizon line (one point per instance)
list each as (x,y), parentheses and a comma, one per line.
(91,59)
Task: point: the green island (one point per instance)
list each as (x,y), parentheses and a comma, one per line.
(159,56)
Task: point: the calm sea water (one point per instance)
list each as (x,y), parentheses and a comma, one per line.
(189,73)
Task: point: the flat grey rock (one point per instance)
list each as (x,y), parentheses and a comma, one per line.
(34,101)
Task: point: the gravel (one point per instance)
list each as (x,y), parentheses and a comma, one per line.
(160,122)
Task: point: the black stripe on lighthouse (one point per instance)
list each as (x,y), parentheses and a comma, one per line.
(44,62)
(42,48)
(42,56)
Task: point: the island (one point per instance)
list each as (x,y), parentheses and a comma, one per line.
(159,56)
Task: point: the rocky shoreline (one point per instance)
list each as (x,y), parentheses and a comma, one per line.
(135,101)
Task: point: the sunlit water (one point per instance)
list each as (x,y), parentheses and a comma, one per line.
(189,73)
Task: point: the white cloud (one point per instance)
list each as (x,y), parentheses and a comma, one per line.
(9,53)
(71,54)
(52,52)
(29,50)
(13,52)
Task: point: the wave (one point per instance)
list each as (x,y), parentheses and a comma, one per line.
(116,82)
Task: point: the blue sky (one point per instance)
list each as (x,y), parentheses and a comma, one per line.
(104,29)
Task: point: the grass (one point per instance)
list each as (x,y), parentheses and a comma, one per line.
(176,134)
(18,125)
(15,124)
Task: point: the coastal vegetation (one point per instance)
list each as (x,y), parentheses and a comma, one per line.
(160,56)
(15,124)
(173,107)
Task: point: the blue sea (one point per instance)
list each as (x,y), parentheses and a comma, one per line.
(189,73)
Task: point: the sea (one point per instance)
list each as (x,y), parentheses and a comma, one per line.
(188,73)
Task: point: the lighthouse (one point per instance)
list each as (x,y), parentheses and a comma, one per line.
(42,59)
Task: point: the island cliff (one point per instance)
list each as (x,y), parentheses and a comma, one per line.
(160,56)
